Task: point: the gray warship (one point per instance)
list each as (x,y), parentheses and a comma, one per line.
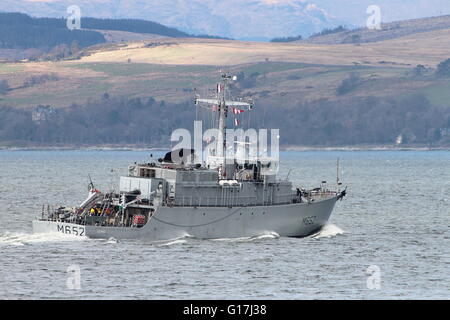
(181,196)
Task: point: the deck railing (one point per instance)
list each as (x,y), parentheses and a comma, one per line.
(231,201)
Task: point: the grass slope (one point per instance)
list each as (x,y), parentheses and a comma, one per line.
(283,72)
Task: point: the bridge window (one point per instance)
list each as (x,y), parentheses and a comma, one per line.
(147,173)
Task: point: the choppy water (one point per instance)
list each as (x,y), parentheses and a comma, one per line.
(396,219)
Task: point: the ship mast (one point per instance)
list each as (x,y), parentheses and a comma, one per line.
(223,105)
(223,113)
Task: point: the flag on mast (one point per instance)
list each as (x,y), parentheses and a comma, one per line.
(237,111)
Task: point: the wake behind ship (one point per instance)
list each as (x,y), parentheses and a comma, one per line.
(179,196)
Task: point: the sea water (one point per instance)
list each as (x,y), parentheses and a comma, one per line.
(388,239)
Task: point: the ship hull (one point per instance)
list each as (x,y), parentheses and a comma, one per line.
(290,220)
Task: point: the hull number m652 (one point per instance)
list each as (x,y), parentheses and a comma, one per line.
(75,230)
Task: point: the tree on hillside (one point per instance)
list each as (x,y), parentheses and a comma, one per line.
(349,84)
(74,47)
(59,52)
(40,79)
(287,39)
(356,39)
(329,31)
(247,82)
(443,69)
(419,70)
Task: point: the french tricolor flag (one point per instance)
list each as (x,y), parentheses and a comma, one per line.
(237,111)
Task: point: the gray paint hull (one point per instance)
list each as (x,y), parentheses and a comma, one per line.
(291,220)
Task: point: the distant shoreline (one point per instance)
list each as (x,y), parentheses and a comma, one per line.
(365,148)
(282,148)
(82,148)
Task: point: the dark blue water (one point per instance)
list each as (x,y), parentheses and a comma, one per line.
(395,222)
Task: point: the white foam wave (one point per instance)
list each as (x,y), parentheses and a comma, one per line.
(329,230)
(20,239)
(266,235)
(230,239)
(112,241)
(170,243)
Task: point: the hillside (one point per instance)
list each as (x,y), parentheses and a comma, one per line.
(163,66)
(404,50)
(19,31)
(388,31)
(50,38)
(114,36)
(307,82)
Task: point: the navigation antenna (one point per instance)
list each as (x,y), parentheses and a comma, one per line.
(91,184)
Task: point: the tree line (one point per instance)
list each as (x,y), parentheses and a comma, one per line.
(350,121)
(359,120)
(103,121)
(287,39)
(20,31)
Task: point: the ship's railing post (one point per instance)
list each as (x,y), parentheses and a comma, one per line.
(226,198)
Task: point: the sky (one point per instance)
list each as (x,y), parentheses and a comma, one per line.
(391,10)
(240,19)
(353,10)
